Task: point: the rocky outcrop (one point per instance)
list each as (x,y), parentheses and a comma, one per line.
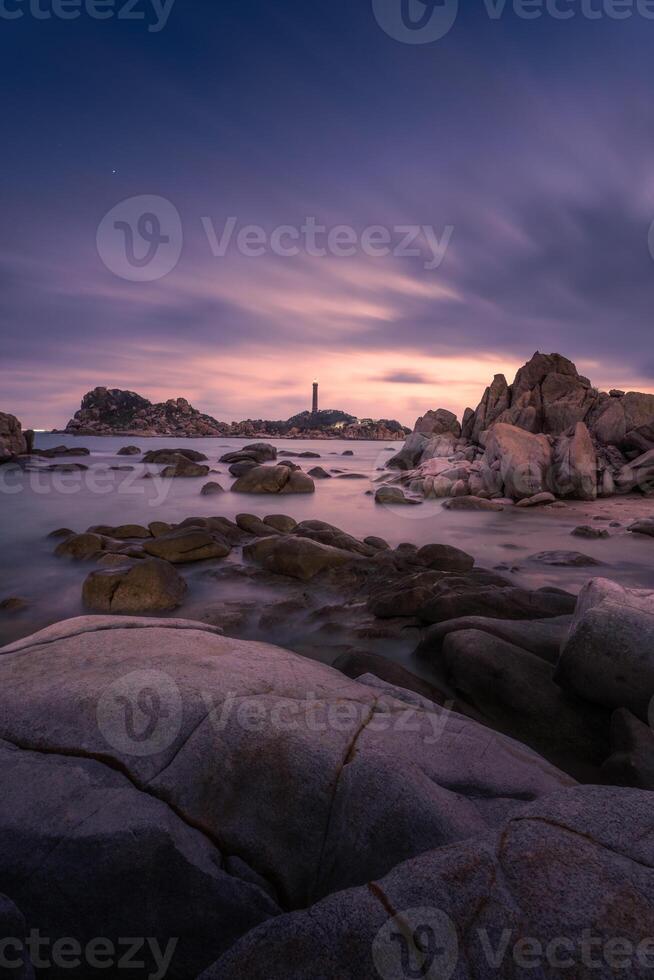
(550,431)
(12,440)
(111,411)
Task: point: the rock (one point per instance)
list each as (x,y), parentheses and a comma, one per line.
(280,522)
(61,532)
(333,536)
(347,452)
(13,604)
(122,532)
(352,476)
(379,544)
(16,959)
(296,557)
(12,440)
(575,465)
(57,451)
(148,586)
(538,500)
(559,867)
(129,451)
(631,762)
(608,656)
(497,603)
(318,473)
(445,558)
(515,692)
(495,401)
(257,452)
(524,459)
(254,525)
(410,454)
(438,423)
(80,546)
(273,479)
(541,637)
(586,531)
(171,456)
(210,489)
(361,663)
(110,411)
(242,467)
(305,455)
(187,545)
(472,503)
(393,495)
(158,528)
(565,559)
(184,468)
(643,526)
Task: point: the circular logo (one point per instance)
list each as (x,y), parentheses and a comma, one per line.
(416,21)
(417,943)
(141,713)
(141,238)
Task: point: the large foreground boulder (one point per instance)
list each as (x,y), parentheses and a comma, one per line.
(565,882)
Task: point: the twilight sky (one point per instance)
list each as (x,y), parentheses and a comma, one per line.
(532,141)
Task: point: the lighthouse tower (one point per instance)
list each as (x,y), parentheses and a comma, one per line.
(314,408)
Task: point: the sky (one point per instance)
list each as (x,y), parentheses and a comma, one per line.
(511,158)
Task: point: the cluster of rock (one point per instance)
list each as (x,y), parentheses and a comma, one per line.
(110,411)
(296,818)
(550,432)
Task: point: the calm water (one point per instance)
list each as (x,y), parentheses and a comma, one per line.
(33,504)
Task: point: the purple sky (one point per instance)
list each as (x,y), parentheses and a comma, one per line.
(532,141)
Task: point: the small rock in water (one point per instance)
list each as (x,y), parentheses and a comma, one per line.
(537,500)
(644,526)
(393,495)
(567,559)
(129,451)
(61,532)
(13,604)
(318,473)
(586,531)
(472,503)
(211,488)
(347,452)
(280,522)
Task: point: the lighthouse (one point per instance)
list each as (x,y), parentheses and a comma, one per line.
(314,408)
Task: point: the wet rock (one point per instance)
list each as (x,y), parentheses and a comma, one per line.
(318,473)
(243,466)
(643,526)
(564,559)
(210,489)
(586,531)
(170,456)
(273,479)
(280,522)
(12,438)
(379,544)
(258,452)
(472,503)
(147,586)
(445,558)
(498,603)
(61,532)
(392,496)
(305,455)
(352,476)
(184,468)
(541,637)
(631,762)
(13,604)
(347,452)
(187,545)
(122,532)
(254,525)
(129,451)
(82,547)
(159,528)
(59,451)
(326,533)
(297,557)
(538,500)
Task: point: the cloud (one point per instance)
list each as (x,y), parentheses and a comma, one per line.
(404,378)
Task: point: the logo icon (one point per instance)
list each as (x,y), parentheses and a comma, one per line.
(141,238)
(416,21)
(417,944)
(141,713)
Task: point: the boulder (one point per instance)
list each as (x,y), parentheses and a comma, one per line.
(637,475)
(122,532)
(538,500)
(393,495)
(296,557)
(280,522)
(542,637)
(575,465)
(210,489)
(258,452)
(80,546)
(549,886)
(410,454)
(318,473)
(438,423)
(242,466)
(326,533)
(185,468)
(496,603)
(495,401)
(445,558)
(273,479)
(643,526)
(148,586)
(362,664)
(525,460)
(171,456)
(252,524)
(187,545)
(608,656)
(564,559)
(129,451)
(631,762)
(468,502)
(12,440)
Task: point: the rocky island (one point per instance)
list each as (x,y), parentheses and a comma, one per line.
(110,412)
